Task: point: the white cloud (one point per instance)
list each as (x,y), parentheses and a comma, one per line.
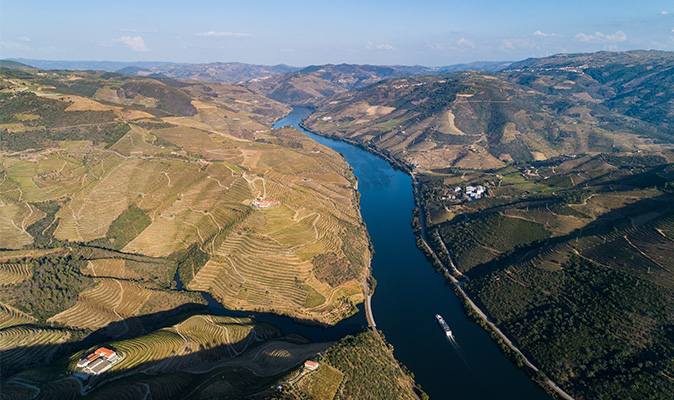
(664,12)
(383,46)
(465,43)
(435,45)
(517,43)
(224,34)
(24,39)
(543,34)
(619,36)
(287,50)
(135,43)
(11,45)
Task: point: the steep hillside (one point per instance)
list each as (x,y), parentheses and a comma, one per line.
(201,356)
(111,186)
(638,84)
(314,85)
(478,120)
(356,367)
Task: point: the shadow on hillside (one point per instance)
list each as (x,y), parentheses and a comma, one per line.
(130,327)
(173,376)
(22,358)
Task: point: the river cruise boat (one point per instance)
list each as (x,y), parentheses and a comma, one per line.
(444,325)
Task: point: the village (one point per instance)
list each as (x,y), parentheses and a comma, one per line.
(471,192)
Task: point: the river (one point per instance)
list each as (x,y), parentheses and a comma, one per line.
(409,293)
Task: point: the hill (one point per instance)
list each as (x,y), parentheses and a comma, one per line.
(487,120)
(638,84)
(199,355)
(311,86)
(232,72)
(569,257)
(14,65)
(202,356)
(84,65)
(357,367)
(189,173)
(115,191)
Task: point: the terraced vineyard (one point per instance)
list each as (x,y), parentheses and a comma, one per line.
(191,356)
(113,302)
(182,175)
(25,345)
(14,273)
(10,316)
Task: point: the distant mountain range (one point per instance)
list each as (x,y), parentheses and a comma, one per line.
(109,66)
(638,84)
(295,84)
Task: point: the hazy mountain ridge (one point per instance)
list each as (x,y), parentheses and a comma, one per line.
(292,85)
(639,84)
(313,85)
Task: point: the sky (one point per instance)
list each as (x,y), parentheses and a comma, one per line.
(300,33)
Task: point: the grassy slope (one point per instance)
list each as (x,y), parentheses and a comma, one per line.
(356,367)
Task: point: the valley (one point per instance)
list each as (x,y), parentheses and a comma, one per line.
(165,218)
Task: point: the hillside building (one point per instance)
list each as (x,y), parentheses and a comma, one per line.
(97,362)
(311,365)
(265,203)
(475,192)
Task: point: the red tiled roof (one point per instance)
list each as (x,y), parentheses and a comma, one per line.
(102,351)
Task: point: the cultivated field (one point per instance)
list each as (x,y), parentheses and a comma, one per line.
(321,384)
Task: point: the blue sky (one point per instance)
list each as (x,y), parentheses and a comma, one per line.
(300,33)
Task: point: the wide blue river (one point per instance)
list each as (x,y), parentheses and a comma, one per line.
(409,293)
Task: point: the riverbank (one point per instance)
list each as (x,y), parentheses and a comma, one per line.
(409,294)
(505,344)
(472,310)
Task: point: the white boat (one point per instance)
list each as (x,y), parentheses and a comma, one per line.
(444,325)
